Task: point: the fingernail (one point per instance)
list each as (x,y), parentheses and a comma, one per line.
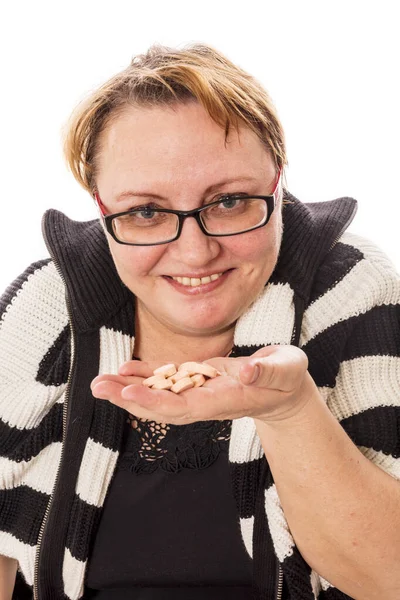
(256,374)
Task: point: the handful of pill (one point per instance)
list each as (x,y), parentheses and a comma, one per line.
(188,375)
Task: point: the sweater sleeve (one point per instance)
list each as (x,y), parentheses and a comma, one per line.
(34,357)
(351,335)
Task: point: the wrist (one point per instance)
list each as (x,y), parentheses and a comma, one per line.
(297,411)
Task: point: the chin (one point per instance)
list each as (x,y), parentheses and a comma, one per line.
(204,326)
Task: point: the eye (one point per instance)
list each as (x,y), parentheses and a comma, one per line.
(229,201)
(145,212)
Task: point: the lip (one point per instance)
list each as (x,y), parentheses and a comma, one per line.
(198,289)
(199,275)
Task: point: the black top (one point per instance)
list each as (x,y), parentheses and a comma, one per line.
(169,527)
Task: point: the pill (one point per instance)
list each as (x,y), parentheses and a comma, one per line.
(162,384)
(150,381)
(198,379)
(182,385)
(179,375)
(165,370)
(194,368)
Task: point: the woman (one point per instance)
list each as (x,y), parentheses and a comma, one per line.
(110,489)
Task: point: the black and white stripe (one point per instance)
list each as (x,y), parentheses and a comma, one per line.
(350,332)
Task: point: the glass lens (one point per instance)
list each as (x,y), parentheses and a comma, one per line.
(145,226)
(233,215)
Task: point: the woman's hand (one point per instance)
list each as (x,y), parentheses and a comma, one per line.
(271,385)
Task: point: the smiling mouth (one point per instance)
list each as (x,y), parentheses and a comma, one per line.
(195,281)
(191,282)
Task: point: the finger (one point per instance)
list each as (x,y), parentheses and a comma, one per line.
(283,369)
(197,404)
(119,379)
(112,392)
(226,365)
(232,366)
(107,390)
(162,405)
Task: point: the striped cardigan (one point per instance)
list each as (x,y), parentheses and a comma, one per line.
(69,318)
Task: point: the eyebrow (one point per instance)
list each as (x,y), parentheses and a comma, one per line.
(209,190)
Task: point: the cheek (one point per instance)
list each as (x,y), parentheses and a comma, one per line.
(133,262)
(259,247)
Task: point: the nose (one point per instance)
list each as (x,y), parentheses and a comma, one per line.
(193,247)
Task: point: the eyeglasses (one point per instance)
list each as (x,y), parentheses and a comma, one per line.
(229,215)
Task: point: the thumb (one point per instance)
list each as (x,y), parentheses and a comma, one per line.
(282,370)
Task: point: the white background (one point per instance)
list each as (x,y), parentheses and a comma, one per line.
(332,69)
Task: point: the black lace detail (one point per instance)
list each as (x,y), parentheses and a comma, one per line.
(150,446)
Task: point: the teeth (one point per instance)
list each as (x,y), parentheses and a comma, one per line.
(205,280)
(193,281)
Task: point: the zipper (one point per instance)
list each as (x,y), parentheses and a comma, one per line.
(65,411)
(279,576)
(279,586)
(343,229)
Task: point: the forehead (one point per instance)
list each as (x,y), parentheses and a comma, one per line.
(175,145)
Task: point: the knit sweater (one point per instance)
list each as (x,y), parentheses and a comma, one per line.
(69,318)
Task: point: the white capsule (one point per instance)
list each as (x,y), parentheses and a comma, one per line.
(165,370)
(198,379)
(194,367)
(183,384)
(150,381)
(162,384)
(179,375)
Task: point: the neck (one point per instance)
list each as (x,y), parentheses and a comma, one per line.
(156,342)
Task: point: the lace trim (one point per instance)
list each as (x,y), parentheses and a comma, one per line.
(151,446)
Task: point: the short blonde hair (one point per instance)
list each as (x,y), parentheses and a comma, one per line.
(164,76)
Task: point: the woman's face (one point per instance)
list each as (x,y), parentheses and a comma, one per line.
(179,155)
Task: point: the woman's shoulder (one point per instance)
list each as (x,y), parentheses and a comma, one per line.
(34,329)
(369,250)
(39,287)
(351,327)
(34,363)
(355,285)
(355,269)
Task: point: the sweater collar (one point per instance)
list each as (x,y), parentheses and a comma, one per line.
(96,293)
(309,232)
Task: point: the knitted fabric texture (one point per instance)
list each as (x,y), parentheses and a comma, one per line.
(348,296)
